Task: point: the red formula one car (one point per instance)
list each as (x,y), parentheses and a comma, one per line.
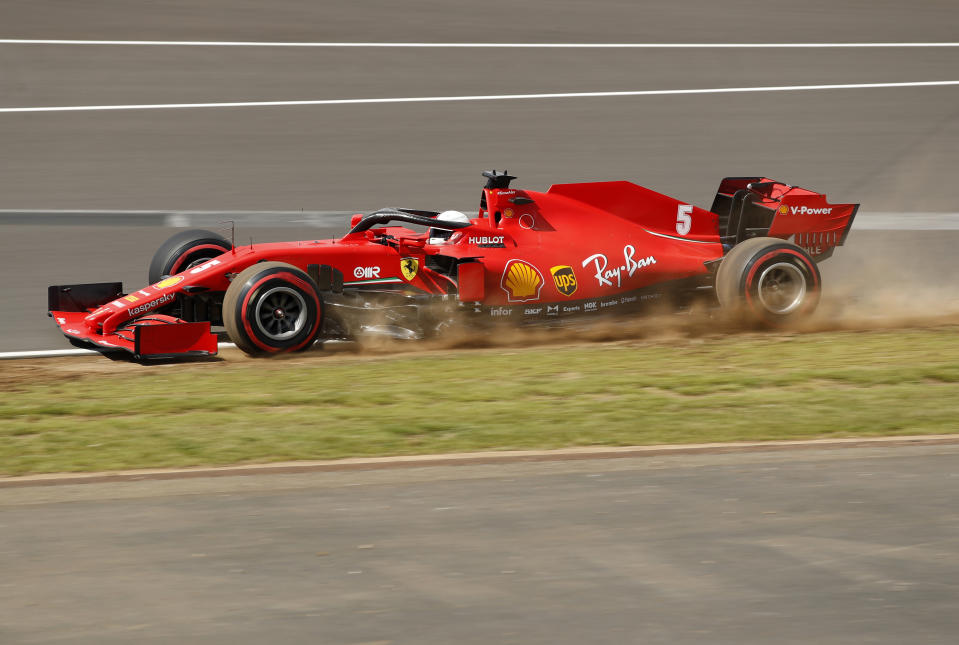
(575,250)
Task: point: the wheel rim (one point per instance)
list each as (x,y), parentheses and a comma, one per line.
(782,288)
(280,313)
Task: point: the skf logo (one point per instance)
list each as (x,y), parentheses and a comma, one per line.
(521,281)
(409,268)
(565,279)
(783,209)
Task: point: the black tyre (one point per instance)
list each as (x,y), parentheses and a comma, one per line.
(769,281)
(272,307)
(185,250)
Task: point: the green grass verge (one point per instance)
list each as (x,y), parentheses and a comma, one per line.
(841,384)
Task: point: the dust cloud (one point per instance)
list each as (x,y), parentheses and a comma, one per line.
(885,279)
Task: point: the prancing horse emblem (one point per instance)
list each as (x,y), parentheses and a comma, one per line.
(409,268)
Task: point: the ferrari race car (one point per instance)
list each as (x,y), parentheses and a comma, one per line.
(575,250)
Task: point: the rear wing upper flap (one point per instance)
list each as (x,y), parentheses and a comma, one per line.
(758,206)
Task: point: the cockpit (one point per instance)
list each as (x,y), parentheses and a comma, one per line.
(442,235)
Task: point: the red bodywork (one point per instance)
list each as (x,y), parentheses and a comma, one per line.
(575,249)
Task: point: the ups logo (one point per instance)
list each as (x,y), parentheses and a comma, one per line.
(565,279)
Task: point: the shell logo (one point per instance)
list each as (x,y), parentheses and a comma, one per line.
(169,282)
(521,281)
(783,209)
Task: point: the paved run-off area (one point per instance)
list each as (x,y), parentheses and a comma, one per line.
(850,545)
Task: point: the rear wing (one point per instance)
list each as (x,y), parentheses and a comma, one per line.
(757,206)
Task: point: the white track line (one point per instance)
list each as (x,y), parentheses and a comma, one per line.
(46,353)
(488,97)
(878,221)
(56,353)
(212,43)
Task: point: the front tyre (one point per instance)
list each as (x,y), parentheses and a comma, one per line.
(769,281)
(186,250)
(272,307)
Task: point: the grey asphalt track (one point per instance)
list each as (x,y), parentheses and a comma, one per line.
(489,21)
(891,149)
(841,546)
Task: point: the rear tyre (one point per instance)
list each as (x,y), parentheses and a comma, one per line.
(768,281)
(272,307)
(186,250)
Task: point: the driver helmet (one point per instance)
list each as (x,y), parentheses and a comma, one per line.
(440,236)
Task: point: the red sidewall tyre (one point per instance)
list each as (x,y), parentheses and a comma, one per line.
(184,250)
(272,307)
(751,286)
(770,281)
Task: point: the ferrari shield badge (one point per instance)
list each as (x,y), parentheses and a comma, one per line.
(409,267)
